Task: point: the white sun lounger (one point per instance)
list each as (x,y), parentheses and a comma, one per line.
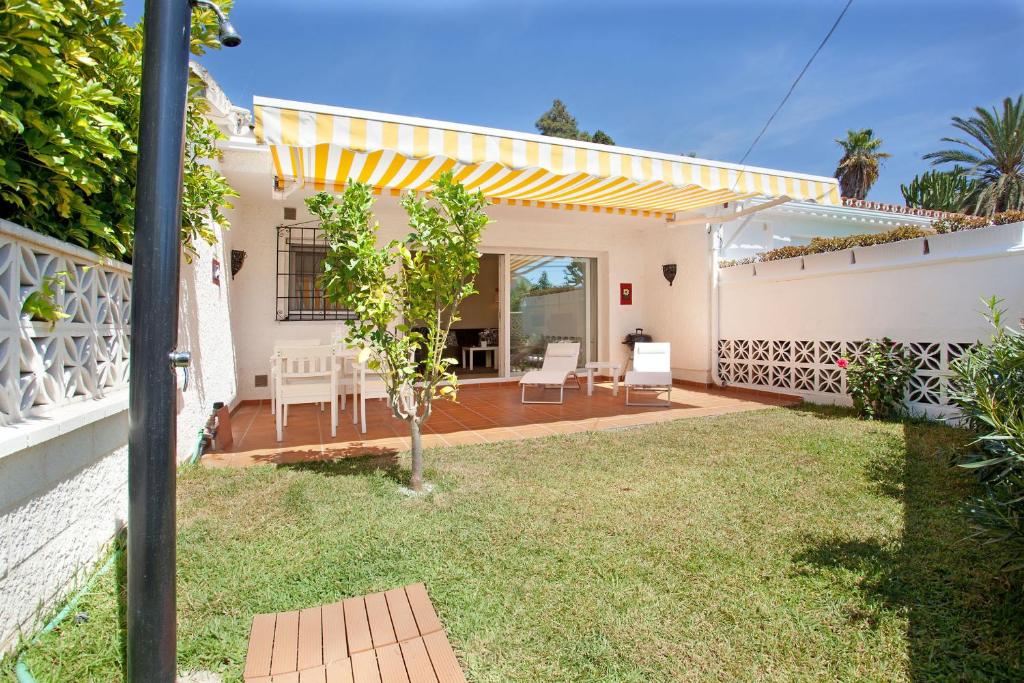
(560,361)
(652,371)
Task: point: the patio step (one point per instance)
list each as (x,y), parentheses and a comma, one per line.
(393,636)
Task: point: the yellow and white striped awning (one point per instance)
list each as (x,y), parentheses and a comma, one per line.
(327,146)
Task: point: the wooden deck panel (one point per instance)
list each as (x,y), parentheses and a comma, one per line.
(423,609)
(339,671)
(284,658)
(391,664)
(442,657)
(311,640)
(261,645)
(316,675)
(389,637)
(335,642)
(357,626)
(417,662)
(381,630)
(364,667)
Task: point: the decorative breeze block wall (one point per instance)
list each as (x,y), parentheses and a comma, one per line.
(44,366)
(809,367)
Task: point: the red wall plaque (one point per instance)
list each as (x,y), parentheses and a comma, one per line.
(625,294)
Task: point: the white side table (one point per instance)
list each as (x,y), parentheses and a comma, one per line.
(615,367)
(489,355)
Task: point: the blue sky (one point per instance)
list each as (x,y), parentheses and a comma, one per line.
(673,76)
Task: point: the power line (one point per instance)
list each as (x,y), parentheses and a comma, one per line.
(797,81)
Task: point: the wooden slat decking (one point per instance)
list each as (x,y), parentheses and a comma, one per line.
(390,637)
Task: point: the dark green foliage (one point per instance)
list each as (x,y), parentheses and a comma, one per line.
(877,381)
(949,191)
(988,388)
(559,123)
(70,75)
(993,152)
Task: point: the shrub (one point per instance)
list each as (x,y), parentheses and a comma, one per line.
(820,245)
(959,222)
(877,382)
(70,76)
(1006,217)
(987,385)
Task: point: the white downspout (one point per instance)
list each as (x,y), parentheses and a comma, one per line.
(714,231)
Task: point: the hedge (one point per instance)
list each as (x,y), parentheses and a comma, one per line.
(821,245)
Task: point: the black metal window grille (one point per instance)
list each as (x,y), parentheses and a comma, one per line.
(301,250)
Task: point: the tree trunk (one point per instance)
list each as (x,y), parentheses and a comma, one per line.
(417,455)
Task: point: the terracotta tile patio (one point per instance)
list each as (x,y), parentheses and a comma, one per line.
(484,413)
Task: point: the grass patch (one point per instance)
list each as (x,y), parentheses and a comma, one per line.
(786,544)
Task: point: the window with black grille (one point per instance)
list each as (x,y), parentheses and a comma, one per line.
(300,263)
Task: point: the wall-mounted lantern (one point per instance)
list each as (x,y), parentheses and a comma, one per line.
(237,259)
(669,271)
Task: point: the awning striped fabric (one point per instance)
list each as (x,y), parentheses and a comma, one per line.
(327,146)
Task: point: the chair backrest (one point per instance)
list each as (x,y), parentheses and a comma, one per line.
(305,361)
(561,356)
(294,343)
(652,357)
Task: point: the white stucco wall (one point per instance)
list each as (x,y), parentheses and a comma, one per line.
(925,292)
(63,476)
(204,329)
(680,313)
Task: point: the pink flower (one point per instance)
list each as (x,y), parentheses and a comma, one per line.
(843,363)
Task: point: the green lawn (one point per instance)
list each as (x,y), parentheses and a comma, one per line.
(784,544)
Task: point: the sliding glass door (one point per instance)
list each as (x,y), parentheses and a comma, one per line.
(551,298)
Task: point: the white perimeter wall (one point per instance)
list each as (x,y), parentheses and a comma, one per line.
(924,292)
(63,477)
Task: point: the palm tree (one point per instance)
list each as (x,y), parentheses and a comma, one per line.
(994,154)
(858,169)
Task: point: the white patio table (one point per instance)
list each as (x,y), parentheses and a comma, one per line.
(490,354)
(614,366)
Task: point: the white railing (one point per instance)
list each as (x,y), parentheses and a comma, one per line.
(42,365)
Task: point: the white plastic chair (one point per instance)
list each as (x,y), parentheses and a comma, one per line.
(279,346)
(560,360)
(306,374)
(652,371)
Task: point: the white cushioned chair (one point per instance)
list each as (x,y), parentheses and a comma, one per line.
(652,371)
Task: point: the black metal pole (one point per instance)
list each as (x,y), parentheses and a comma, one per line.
(152,398)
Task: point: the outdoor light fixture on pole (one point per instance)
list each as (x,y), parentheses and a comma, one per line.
(152,403)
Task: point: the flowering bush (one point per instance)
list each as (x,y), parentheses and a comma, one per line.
(878,381)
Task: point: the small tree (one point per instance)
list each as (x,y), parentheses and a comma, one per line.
(405,295)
